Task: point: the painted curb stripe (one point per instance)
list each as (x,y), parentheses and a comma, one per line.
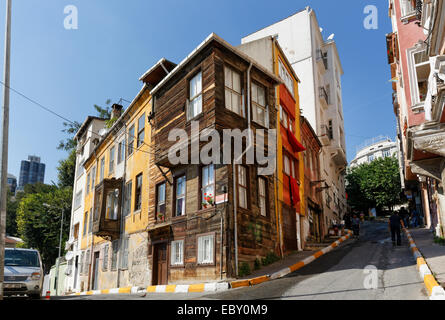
(238,284)
(297,266)
(258,280)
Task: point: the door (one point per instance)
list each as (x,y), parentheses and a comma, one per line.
(289,229)
(96,271)
(160,264)
(76,262)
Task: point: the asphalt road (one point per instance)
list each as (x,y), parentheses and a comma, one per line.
(343,274)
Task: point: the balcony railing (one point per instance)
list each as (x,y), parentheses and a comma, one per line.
(323,94)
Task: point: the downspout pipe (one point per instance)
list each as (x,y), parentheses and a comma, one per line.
(249,139)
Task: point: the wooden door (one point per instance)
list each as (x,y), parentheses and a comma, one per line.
(160,264)
(289,230)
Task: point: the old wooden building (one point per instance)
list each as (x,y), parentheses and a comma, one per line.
(207,219)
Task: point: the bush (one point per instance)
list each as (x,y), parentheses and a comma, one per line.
(244,269)
(439,240)
(269,259)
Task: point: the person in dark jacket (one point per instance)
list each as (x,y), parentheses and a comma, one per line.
(395,224)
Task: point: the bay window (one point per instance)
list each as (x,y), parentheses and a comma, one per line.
(233,96)
(259,104)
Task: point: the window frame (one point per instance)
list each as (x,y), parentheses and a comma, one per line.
(256,104)
(114,254)
(244,187)
(158,204)
(183,196)
(232,91)
(265,196)
(127,201)
(412,74)
(85,224)
(102,169)
(130,146)
(141,132)
(172,252)
(111,160)
(203,187)
(138,196)
(213,251)
(191,98)
(88,183)
(286,77)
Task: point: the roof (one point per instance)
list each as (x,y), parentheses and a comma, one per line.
(85,124)
(157,72)
(200,47)
(312,130)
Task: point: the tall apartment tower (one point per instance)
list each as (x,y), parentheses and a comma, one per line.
(317,64)
(31,171)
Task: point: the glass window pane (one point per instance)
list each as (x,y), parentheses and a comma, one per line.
(227,77)
(236,82)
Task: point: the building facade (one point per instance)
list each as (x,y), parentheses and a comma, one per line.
(416,55)
(379,147)
(12,183)
(317,64)
(31,171)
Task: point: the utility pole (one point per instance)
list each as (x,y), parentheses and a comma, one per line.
(4,139)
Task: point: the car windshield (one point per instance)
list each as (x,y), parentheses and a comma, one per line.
(21,258)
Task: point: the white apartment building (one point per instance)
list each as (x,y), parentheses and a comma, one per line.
(85,137)
(379,147)
(317,64)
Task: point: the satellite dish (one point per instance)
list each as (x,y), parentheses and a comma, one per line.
(102,132)
(69,255)
(71,241)
(331,36)
(321,29)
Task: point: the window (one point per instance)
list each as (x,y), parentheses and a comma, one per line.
(259,104)
(419,74)
(286,167)
(195,96)
(233,94)
(284,118)
(112,205)
(242,187)
(160,199)
(82,259)
(386,153)
(180,196)
(141,130)
(406,7)
(130,140)
(115,248)
(111,162)
(138,194)
(121,151)
(105,258)
(85,223)
(286,77)
(78,200)
(208,184)
(177,253)
(93,179)
(90,223)
(205,249)
(76,231)
(88,183)
(86,262)
(262,196)
(371,158)
(124,264)
(127,195)
(102,169)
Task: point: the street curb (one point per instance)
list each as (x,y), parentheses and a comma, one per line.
(435,291)
(218,286)
(284,272)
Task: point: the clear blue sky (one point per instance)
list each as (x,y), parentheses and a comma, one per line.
(117,41)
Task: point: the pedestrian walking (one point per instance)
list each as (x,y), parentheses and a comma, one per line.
(356,225)
(415,217)
(395,224)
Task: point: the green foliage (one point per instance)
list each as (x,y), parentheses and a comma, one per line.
(70,129)
(67,170)
(244,269)
(439,240)
(11,208)
(269,259)
(39,226)
(104,112)
(374,185)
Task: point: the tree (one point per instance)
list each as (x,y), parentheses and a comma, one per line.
(39,226)
(374,185)
(67,170)
(11,208)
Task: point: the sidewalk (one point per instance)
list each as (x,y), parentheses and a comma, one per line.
(433,253)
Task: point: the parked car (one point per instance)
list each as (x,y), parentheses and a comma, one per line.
(23,273)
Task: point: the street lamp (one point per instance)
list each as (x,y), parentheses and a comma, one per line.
(60,247)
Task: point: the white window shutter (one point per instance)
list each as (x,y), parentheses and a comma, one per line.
(212,243)
(200,249)
(181,252)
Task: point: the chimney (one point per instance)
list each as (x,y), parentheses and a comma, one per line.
(116,111)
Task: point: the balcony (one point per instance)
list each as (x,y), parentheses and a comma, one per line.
(392,46)
(324,97)
(327,135)
(107,209)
